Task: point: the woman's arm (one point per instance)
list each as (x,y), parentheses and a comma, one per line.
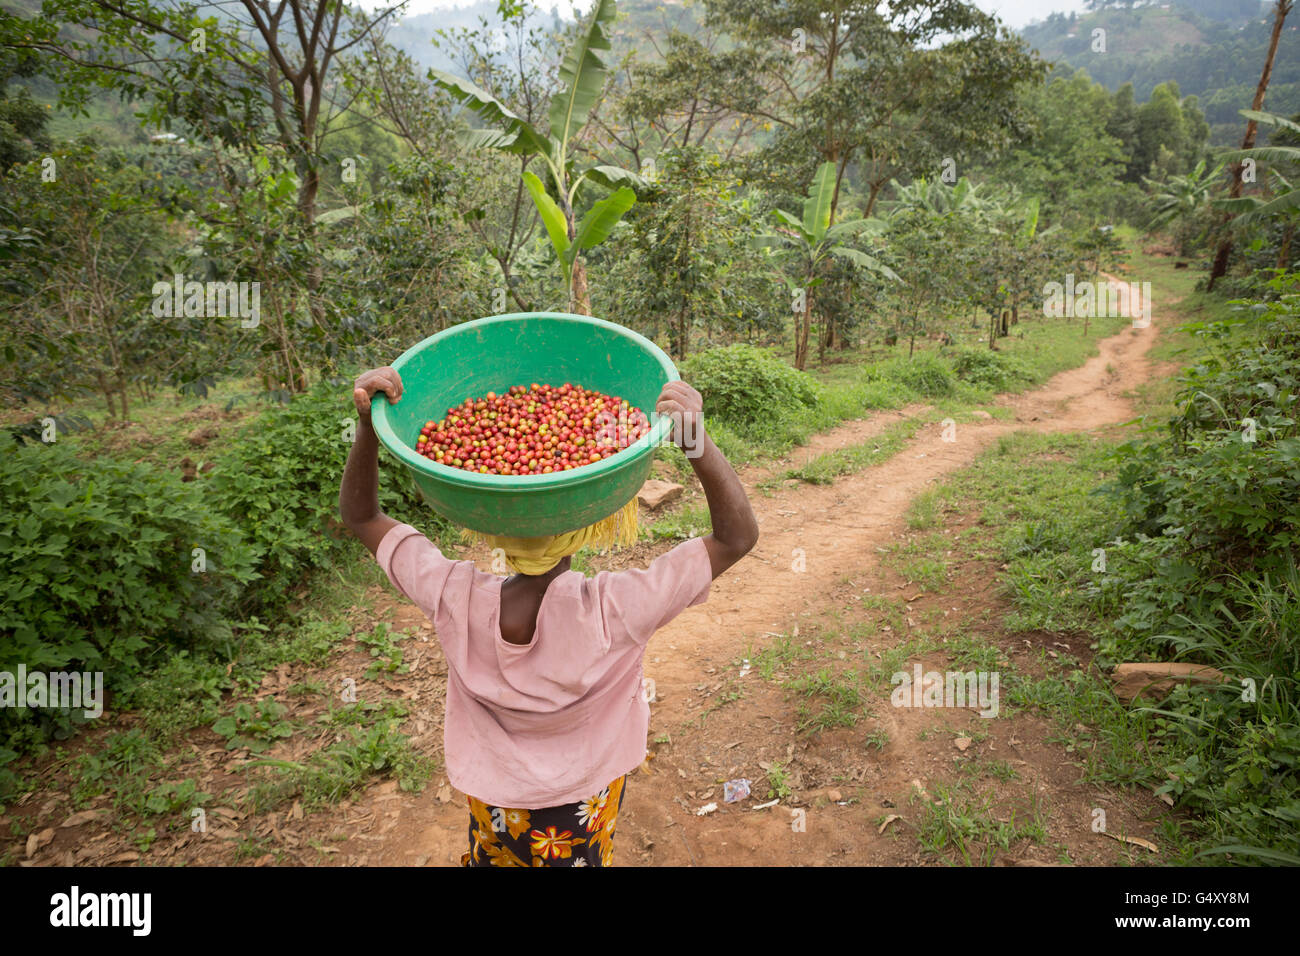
(735,529)
(359,493)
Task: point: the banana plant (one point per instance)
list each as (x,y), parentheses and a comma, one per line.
(1250,210)
(811,239)
(582,77)
(1182,196)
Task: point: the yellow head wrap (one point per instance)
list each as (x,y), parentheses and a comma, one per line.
(539,555)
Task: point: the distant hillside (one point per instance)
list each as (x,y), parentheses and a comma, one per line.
(1217,60)
(1213,49)
(414,34)
(636,18)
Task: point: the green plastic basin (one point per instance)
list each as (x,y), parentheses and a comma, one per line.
(493,353)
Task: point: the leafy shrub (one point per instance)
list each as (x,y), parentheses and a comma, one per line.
(1227,478)
(745,387)
(280,481)
(983,368)
(1212,578)
(923,374)
(97,568)
(256,728)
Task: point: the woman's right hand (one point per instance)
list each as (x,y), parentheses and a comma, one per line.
(685,406)
(384,380)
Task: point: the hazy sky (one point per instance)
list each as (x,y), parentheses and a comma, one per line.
(1014,13)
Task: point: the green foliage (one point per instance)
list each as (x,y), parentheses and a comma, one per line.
(98,568)
(280,480)
(367,741)
(182,692)
(383,647)
(997,371)
(181,795)
(255,727)
(924,374)
(73,328)
(745,387)
(1226,481)
(1197,564)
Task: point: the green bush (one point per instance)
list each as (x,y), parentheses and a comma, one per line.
(1211,577)
(745,387)
(984,368)
(98,568)
(280,480)
(923,374)
(1226,480)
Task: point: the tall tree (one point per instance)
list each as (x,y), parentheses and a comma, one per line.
(809,240)
(1280,10)
(1285,198)
(581,81)
(890,85)
(258,71)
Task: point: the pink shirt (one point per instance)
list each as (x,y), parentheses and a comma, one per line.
(555,720)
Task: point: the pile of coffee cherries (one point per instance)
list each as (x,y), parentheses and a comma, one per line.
(532,430)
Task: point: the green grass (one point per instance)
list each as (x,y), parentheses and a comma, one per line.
(160,426)
(730,692)
(828,466)
(921,559)
(856,382)
(367,741)
(778,782)
(780,656)
(686,522)
(963,823)
(830,700)
(996,769)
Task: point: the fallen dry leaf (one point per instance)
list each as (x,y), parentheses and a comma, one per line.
(77,819)
(888,820)
(1135,841)
(37,840)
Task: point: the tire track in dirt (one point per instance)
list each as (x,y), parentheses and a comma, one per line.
(839,527)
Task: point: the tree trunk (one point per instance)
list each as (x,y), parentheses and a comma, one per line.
(1220,268)
(871,198)
(801,334)
(108,394)
(681,333)
(315,271)
(1284,251)
(579,299)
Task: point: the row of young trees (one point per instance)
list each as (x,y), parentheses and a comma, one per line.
(1245,201)
(374,204)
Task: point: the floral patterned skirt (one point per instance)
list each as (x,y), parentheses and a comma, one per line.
(576,834)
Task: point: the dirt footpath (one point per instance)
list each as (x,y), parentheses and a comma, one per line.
(877,785)
(845,786)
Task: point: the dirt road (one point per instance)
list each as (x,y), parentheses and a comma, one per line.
(839,531)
